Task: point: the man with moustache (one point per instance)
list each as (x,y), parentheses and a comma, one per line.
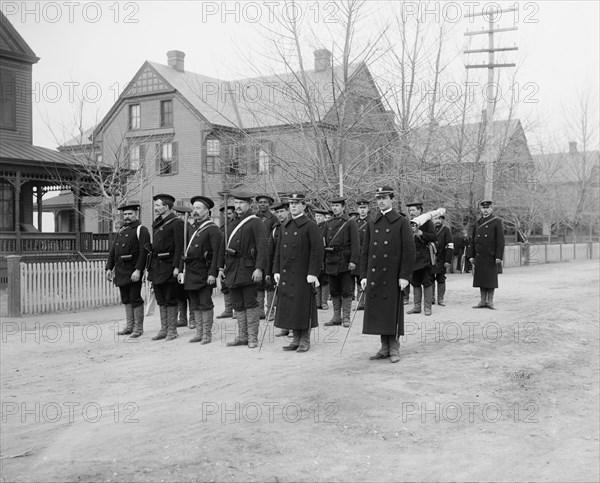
(266,215)
(243,261)
(296,267)
(230,215)
(167,248)
(282,213)
(341,257)
(486,252)
(184,213)
(386,264)
(199,267)
(125,267)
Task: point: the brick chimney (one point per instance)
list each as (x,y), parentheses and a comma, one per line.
(572,147)
(175,59)
(322,60)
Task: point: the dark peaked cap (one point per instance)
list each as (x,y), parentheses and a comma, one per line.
(129,206)
(163,196)
(204,200)
(242,195)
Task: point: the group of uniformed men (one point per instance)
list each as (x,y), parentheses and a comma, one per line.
(298,259)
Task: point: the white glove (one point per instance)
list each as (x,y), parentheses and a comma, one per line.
(403,283)
(276,277)
(363,284)
(313,279)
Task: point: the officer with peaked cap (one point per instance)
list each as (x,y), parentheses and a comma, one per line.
(386,264)
(127,258)
(243,261)
(282,212)
(167,248)
(341,257)
(486,252)
(199,267)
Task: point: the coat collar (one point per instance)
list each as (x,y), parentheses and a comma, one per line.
(392,216)
(301,220)
(160,220)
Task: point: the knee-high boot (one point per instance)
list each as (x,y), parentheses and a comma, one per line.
(207,320)
(198,317)
(483,302)
(172,312)
(325,297)
(182,307)
(129,321)
(417,299)
(162,333)
(253,318)
(490,298)
(228,312)
(138,321)
(346,310)
(427,299)
(242,322)
(441,293)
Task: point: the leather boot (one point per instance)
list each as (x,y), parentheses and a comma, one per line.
(441,293)
(361,299)
(394,349)
(417,299)
(253,318)
(483,302)
(198,316)
(172,312)
(325,297)
(162,333)
(242,323)
(192,319)
(346,310)
(304,342)
(260,298)
(384,351)
(427,298)
(433,293)
(228,312)
(207,320)
(295,342)
(490,299)
(129,321)
(271,305)
(406,295)
(138,321)
(337,312)
(182,311)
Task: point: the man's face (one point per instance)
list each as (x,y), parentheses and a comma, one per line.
(296,208)
(200,211)
(129,217)
(263,205)
(282,214)
(384,202)
(327,217)
(464,233)
(319,218)
(414,211)
(437,221)
(337,208)
(241,206)
(160,208)
(363,210)
(231,214)
(486,210)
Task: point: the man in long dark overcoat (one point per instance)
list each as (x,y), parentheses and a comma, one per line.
(296,268)
(282,212)
(444,250)
(486,254)
(243,262)
(386,264)
(342,253)
(199,267)
(167,248)
(127,259)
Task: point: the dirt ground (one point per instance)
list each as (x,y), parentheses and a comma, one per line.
(505,395)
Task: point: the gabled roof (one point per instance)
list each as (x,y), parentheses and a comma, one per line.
(82,139)
(249,103)
(463,143)
(24,153)
(568,167)
(12,45)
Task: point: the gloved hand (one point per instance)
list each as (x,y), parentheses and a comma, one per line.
(276,277)
(403,283)
(363,284)
(313,279)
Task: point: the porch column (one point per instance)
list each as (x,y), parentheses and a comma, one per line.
(18,212)
(77,208)
(39,193)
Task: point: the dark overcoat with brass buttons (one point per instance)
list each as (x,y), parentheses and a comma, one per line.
(298,253)
(487,246)
(128,253)
(167,248)
(201,258)
(387,255)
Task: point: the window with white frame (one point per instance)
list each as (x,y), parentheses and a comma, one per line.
(213,153)
(135,117)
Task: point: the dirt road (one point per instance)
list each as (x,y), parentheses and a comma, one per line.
(505,395)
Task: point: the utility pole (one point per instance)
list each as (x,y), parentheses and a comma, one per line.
(491,96)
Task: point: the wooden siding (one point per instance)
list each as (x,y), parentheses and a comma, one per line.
(23,92)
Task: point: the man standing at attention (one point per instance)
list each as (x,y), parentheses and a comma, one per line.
(362,222)
(444,251)
(167,248)
(386,264)
(127,258)
(486,254)
(243,261)
(296,268)
(341,257)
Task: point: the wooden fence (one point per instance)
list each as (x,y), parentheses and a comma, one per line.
(63,286)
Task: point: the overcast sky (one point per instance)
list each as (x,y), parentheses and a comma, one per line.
(99,46)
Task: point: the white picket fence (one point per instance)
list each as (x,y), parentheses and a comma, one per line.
(63,286)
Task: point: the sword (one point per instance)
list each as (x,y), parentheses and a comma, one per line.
(352,320)
(262,339)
